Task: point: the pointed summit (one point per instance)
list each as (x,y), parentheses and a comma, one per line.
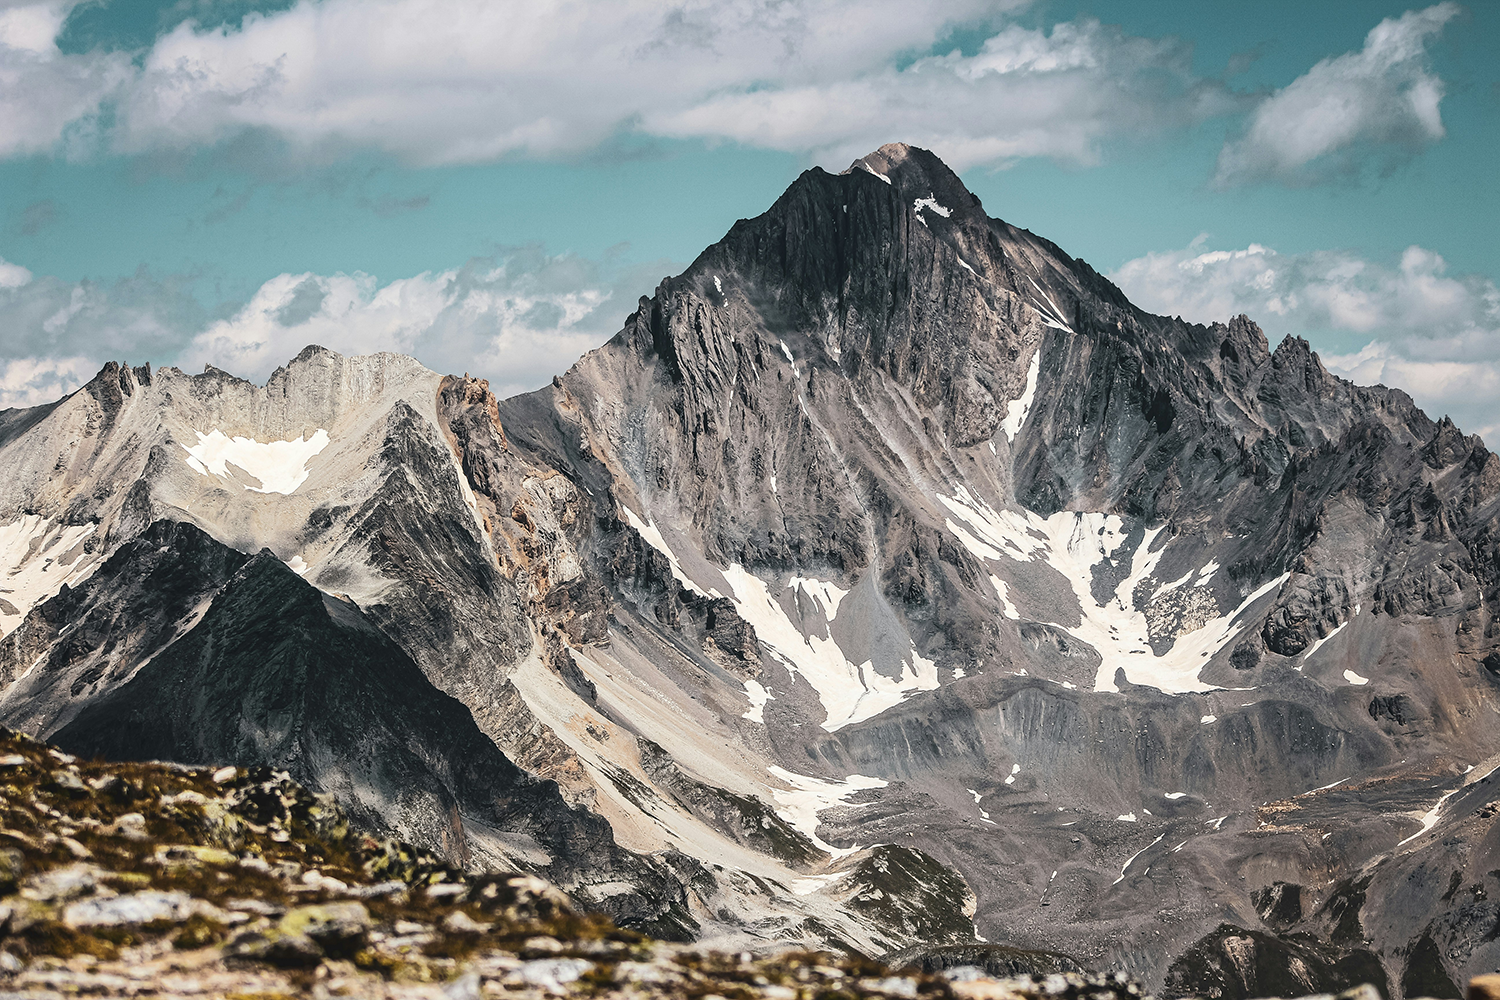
(919,173)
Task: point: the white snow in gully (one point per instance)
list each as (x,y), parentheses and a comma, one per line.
(37,556)
(1016,410)
(280,466)
(849,692)
(1319,644)
(758,696)
(930,203)
(1073,543)
(807,797)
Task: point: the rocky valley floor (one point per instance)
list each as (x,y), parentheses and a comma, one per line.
(158,880)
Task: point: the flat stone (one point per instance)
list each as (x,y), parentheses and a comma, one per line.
(376,891)
(339,928)
(459,922)
(60,884)
(552,974)
(131,826)
(131,910)
(465,987)
(276,947)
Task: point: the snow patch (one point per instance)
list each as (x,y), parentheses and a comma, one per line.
(1355,679)
(1174,796)
(1207,719)
(652,537)
(965,265)
(930,203)
(1430,818)
(1053,318)
(1136,855)
(1171,586)
(36,558)
(869,169)
(281,466)
(1004,593)
(758,697)
(297,565)
(1127,818)
(1073,543)
(828,594)
(808,796)
(1016,410)
(1015,769)
(1319,645)
(849,693)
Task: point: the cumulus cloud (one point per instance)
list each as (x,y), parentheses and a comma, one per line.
(517,319)
(1384,96)
(144,316)
(1025,93)
(33,381)
(49,100)
(454,81)
(1435,335)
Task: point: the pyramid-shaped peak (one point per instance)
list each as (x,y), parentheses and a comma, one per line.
(917,172)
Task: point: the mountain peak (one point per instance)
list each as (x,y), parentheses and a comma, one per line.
(917,172)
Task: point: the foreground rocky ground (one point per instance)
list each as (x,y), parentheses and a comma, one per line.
(154,880)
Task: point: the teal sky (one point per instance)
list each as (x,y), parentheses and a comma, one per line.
(204,215)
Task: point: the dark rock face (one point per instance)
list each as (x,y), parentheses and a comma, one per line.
(1279,904)
(278,674)
(447,603)
(994,959)
(1234,964)
(88,640)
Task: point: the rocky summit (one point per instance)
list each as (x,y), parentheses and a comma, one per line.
(889,586)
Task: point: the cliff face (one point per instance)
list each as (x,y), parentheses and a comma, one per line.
(888,570)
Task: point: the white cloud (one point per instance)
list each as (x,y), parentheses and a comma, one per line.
(468,80)
(47,99)
(1432,334)
(33,381)
(1025,93)
(1382,96)
(517,320)
(452,81)
(13,275)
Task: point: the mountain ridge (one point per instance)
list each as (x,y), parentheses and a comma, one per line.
(884,523)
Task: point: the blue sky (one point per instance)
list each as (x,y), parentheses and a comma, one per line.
(491,186)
